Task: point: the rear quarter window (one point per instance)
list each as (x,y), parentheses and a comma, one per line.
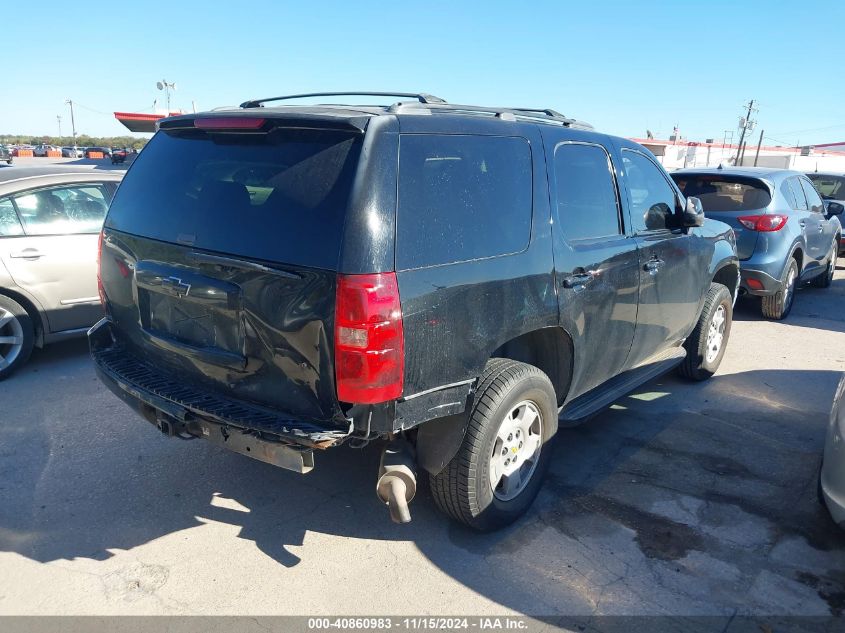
(462,198)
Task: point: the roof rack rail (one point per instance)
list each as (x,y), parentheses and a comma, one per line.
(421,97)
(545,114)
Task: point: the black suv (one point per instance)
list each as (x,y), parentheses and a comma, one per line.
(457,280)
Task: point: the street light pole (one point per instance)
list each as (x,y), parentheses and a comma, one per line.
(59,121)
(72,121)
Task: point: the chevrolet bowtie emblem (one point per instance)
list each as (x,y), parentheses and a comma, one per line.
(176,286)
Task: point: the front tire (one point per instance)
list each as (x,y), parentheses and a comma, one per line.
(499,468)
(778,305)
(17,336)
(708,341)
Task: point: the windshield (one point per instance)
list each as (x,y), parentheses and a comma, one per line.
(279,196)
(830,187)
(724,193)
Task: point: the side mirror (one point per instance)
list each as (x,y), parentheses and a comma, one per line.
(693,213)
(834,208)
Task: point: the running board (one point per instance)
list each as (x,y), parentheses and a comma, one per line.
(606,394)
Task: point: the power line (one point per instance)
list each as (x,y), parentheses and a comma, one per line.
(815,129)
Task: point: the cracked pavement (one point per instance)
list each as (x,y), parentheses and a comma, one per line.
(682,499)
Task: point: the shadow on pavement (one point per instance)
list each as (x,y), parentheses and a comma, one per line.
(653,505)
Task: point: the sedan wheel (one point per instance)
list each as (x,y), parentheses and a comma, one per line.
(11,338)
(16,336)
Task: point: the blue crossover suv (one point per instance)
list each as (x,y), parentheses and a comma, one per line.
(784,233)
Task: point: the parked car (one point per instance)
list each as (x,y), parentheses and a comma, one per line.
(6,154)
(73,152)
(41,150)
(282,280)
(118,155)
(832,477)
(49,222)
(105,151)
(831,187)
(18,148)
(783,235)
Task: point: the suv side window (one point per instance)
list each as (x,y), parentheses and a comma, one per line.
(798,194)
(10,225)
(653,199)
(587,205)
(462,197)
(813,197)
(63,210)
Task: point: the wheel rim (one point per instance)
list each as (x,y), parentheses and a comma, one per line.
(11,338)
(716,333)
(516,450)
(832,266)
(790,289)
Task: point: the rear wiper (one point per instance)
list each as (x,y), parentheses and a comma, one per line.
(231,262)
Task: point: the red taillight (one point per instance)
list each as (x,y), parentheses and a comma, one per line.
(100,290)
(229,123)
(369,339)
(764,223)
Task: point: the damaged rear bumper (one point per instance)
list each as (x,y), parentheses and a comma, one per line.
(188,412)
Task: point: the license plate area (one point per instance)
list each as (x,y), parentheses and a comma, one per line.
(185,308)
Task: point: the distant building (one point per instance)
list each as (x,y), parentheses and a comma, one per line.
(680,153)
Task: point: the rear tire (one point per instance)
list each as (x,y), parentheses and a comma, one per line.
(17,336)
(513,416)
(778,305)
(708,341)
(825,279)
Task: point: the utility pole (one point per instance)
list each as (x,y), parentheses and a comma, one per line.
(72,121)
(59,121)
(745,124)
(759,143)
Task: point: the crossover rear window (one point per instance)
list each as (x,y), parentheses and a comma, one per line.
(723,193)
(279,196)
(462,197)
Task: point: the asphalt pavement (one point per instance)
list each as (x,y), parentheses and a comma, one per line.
(683,499)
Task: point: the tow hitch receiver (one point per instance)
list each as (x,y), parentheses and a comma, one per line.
(397,482)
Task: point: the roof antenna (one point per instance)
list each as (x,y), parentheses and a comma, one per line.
(721,166)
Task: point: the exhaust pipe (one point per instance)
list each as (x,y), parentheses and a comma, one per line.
(397,482)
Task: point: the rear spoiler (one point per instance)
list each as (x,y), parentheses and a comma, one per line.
(236,122)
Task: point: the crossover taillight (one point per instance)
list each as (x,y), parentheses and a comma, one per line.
(368,339)
(100,290)
(763,223)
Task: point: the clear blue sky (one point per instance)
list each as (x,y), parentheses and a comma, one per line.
(623,66)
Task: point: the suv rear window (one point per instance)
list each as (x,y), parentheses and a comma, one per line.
(279,196)
(461,198)
(722,193)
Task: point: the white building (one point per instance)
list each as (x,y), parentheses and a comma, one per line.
(677,154)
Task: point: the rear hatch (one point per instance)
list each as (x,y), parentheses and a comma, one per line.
(219,259)
(727,198)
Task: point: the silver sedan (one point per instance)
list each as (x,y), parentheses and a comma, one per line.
(833,467)
(50,219)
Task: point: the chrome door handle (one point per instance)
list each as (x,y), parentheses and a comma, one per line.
(821,229)
(27,253)
(578,281)
(652,266)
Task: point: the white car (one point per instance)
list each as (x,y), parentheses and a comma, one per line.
(72,152)
(41,150)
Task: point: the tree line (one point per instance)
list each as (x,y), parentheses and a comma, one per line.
(83,140)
